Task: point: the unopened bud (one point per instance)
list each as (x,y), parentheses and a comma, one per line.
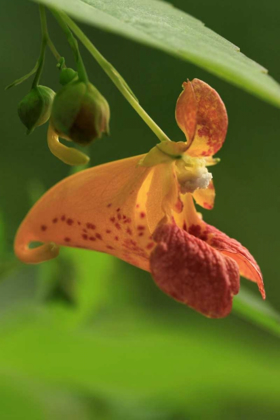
(80,113)
(35,108)
(67,75)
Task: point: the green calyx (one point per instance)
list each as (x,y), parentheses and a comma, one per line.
(35,108)
(80,113)
(164,152)
(67,75)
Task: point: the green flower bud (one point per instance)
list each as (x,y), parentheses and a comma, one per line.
(67,75)
(35,108)
(80,113)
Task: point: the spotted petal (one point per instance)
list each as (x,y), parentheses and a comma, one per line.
(202,116)
(192,272)
(110,208)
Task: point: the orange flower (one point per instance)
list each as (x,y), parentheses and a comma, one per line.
(141,210)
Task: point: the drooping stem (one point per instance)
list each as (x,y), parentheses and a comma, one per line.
(54,50)
(47,36)
(74,46)
(43,47)
(114,76)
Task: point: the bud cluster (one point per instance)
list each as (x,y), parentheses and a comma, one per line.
(78,112)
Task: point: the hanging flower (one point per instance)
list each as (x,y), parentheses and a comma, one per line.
(141,210)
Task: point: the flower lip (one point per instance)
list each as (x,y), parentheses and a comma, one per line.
(192,272)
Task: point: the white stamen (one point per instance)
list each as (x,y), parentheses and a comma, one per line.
(193,177)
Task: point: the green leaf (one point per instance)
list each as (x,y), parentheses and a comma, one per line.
(160,25)
(141,356)
(261,313)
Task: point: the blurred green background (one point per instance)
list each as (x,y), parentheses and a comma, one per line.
(89,337)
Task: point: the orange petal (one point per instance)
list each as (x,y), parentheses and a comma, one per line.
(93,209)
(204,121)
(192,272)
(111,208)
(163,195)
(205,197)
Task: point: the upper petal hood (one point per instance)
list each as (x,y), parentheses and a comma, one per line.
(202,116)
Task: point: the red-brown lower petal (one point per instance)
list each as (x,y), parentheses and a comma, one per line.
(192,272)
(248,266)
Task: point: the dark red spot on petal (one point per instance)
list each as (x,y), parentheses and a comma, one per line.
(141,227)
(109,247)
(116,238)
(90,226)
(98,236)
(109,205)
(141,234)
(142,215)
(92,238)
(150,245)
(129,231)
(55,220)
(118,226)
(197,231)
(112,219)
(128,220)
(43,228)
(119,216)
(63,218)
(108,231)
(67,239)
(84,236)
(70,222)
(207,205)
(118,209)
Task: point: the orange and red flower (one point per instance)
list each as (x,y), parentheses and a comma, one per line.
(141,210)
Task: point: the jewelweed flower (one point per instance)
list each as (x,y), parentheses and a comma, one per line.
(141,210)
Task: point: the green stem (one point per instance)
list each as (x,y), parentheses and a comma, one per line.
(74,46)
(47,36)
(43,47)
(54,50)
(114,76)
